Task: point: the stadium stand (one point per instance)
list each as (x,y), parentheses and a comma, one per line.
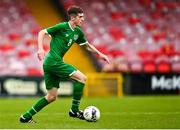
(18,35)
(138,35)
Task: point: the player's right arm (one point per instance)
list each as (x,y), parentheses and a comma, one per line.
(51,32)
(41,52)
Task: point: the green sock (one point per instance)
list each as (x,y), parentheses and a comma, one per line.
(41,103)
(77,94)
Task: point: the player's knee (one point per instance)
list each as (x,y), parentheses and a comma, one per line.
(83,79)
(51,98)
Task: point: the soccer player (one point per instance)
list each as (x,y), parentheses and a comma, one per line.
(63,35)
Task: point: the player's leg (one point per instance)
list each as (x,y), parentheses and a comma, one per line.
(79,76)
(52,85)
(51,94)
(40,104)
(66,71)
(79,83)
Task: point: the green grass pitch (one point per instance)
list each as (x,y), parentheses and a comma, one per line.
(116,113)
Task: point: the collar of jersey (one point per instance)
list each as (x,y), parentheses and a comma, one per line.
(70,26)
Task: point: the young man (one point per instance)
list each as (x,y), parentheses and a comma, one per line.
(63,35)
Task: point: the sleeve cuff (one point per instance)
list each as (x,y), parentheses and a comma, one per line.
(83,43)
(46,31)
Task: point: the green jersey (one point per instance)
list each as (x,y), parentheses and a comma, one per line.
(63,36)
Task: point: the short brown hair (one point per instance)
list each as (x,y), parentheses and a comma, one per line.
(74,10)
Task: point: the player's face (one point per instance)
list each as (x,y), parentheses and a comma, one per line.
(79,19)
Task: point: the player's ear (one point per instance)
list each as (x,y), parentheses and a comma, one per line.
(72,17)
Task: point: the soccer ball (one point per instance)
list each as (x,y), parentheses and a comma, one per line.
(91,114)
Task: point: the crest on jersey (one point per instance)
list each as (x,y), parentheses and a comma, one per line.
(75,37)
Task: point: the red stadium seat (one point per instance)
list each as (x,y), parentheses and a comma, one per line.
(150,26)
(149,64)
(116,33)
(134,20)
(23,53)
(118,15)
(146,54)
(31,42)
(115,53)
(160,5)
(172,4)
(159,36)
(156,15)
(163,67)
(7,47)
(103,49)
(145,2)
(149,67)
(34,72)
(14,37)
(163,64)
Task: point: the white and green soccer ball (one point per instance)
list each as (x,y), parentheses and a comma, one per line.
(91,114)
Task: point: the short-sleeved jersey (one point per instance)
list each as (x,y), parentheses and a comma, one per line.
(63,36)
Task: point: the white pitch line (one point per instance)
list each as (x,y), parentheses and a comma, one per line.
(111,113)
(141,113)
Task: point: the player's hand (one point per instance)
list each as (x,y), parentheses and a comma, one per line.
(41,54)
(105,58)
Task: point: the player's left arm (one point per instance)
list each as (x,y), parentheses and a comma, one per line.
(83,41)
(92,49)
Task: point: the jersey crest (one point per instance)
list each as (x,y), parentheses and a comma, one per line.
(75,37)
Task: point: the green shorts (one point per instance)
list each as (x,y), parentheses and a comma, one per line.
(56,71)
